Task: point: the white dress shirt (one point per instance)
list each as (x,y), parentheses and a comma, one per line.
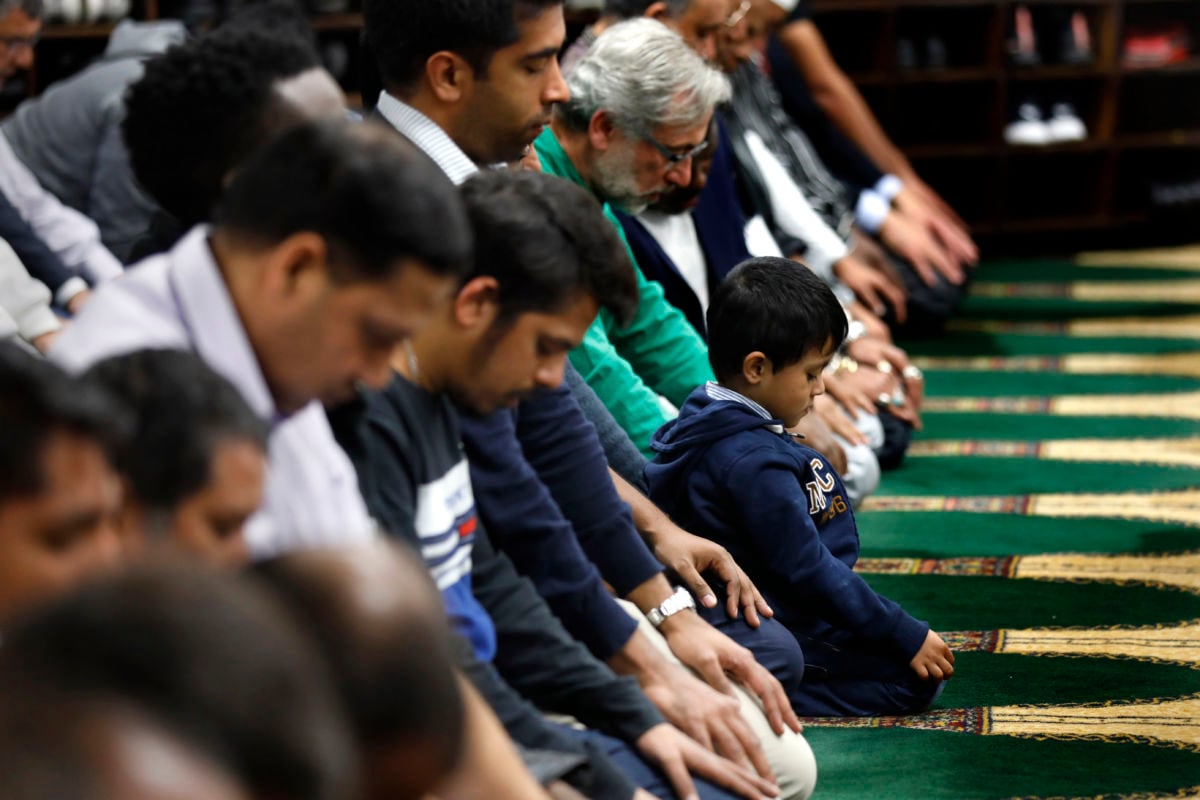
(676,235)
(178,300)
(428,136)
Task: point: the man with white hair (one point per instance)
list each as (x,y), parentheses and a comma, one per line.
(641,104)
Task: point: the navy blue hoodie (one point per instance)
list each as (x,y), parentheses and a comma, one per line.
(723,471)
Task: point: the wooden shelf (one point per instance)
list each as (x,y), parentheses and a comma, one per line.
(1163,139)
(348,21)
(1057,72)
(1181,68)
(952,119)
(99,30)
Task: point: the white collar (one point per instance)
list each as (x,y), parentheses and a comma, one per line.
(718,392)
(428,136)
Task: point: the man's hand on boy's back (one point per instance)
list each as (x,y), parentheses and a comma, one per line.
(935,659)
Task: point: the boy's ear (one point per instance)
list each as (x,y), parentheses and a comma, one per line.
(755,367)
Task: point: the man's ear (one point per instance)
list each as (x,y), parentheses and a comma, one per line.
(477,303)
(755,367)
(297,268)
(601,131)
(449,76)
(658,11)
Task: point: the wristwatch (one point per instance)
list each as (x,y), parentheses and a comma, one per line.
(680,601)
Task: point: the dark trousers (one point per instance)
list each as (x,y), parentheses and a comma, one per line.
(836,675)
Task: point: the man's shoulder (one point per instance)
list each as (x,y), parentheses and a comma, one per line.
(133,312)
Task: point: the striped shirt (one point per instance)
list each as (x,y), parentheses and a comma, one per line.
(718,392)
(428,136)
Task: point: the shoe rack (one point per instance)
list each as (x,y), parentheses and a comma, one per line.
(948,105)
(67,47)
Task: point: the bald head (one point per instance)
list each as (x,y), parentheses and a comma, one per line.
(380,621)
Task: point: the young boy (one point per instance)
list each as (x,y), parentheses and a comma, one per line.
(727,469)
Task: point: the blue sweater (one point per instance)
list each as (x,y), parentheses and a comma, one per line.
(724,472)
(527,468)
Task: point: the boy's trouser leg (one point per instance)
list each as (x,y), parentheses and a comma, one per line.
(853,680)
(789,755)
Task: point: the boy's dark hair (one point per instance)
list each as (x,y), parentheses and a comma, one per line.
(374,199)
(37,400)
(775,306)
(209,655)
(202,107)
(393,666)
(628,9)
(181,410)
(402,36)
(547,242)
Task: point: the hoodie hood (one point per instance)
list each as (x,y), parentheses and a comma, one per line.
(702,422)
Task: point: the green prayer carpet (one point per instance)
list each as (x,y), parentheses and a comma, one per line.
(1061,560)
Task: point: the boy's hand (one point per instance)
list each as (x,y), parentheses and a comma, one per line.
(934,660)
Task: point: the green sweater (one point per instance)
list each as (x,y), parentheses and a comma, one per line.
(657,353)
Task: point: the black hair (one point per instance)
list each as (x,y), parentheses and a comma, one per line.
(182,410)
(628,9)
(393,666)
(374,198)
(202,107)
(272,15)
(775,306)
(547,241)
(212,657)
(37,400)
(403,35)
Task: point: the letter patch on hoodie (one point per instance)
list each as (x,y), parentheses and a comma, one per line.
(820,487)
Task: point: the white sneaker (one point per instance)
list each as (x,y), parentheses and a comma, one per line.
(1065,125)
(1028,128)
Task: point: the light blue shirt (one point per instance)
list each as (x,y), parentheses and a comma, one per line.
(178,300)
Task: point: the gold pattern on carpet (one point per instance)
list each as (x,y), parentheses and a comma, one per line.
(1164,722)
(1167,571)
(1178,364)
(1173,405)
(1178,507)
(1187,327)
(1163,644)
(1165,452)
(1185,258)
(1180,291)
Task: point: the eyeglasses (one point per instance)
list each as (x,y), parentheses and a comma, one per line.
(673,156)
(738,15)
(19,42)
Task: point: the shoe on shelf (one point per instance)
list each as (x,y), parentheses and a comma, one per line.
(1028,127)
(1065,125)
(1022,47)
(1156,46)
(1077,41)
